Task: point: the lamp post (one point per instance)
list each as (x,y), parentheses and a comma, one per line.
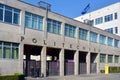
(46,6)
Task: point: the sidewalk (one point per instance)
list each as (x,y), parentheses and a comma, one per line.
(82,77)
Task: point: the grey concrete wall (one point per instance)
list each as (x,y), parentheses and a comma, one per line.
(8,67)
(13,33)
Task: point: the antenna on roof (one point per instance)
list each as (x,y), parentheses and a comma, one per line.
(44,5)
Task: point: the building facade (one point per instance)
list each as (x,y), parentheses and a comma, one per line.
(106,18)
(36,44)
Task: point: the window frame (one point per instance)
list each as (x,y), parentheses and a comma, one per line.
(93,37)
(70,31)
(83,34)
(10,18)
(102,38)
(108,18)
(8,46)
(30,19)
(54,26)
(102,58)
(116,59)
(110,41)
(110,58)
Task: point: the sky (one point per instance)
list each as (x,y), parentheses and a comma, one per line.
(73,8)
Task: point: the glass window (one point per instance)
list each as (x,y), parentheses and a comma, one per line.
(116,59)
(1,14)
(15,50)
(108,18)
(40,23)
(14,53)
(1,6)
(110,58)
(9,50)
(0,49)
(53,26)
(28,19)
(83,34)
(116,30)
(93,37)
(99,20)
(110,41)
(91,22)
(116,43)
(33,21)
(9,14)
(102,58)
(110,30)
(102,39)
(59,27)
(70,30)
(49,25)
(16,18)
(115,15)
(67,30)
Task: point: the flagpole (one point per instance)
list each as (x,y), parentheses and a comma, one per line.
(85,10)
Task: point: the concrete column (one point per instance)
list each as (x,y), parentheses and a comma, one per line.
(22,22)
(106,58)
(21,54)
(89,43)
(45,26)
(43,61)
(89,36)
(61,57)
(98,63)
(76,60)
(88,62)
(113,42)
(62,31)
(119,59)
(98,38)
(77,34)
(113,59)
(106,41)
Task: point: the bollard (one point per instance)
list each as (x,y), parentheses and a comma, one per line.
(106,69)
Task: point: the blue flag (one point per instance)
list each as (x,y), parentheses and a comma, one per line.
(86,9)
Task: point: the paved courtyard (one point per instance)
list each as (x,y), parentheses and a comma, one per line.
(82,77)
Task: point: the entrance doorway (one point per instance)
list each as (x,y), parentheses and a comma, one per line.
(69,62)
(93,64)
(82,63)
(32,60)
(53,65)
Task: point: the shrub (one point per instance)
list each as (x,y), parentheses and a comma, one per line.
(102,71)
(112,70)
(12,77)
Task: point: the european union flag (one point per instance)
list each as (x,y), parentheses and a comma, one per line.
(86,9)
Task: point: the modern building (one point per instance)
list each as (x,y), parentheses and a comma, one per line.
(106,18)
(36,44)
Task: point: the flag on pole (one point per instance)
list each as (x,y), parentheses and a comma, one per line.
(86,9)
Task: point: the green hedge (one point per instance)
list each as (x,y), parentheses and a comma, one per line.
(12,77)
(112,70)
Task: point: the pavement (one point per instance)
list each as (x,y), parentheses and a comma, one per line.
(115,76)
